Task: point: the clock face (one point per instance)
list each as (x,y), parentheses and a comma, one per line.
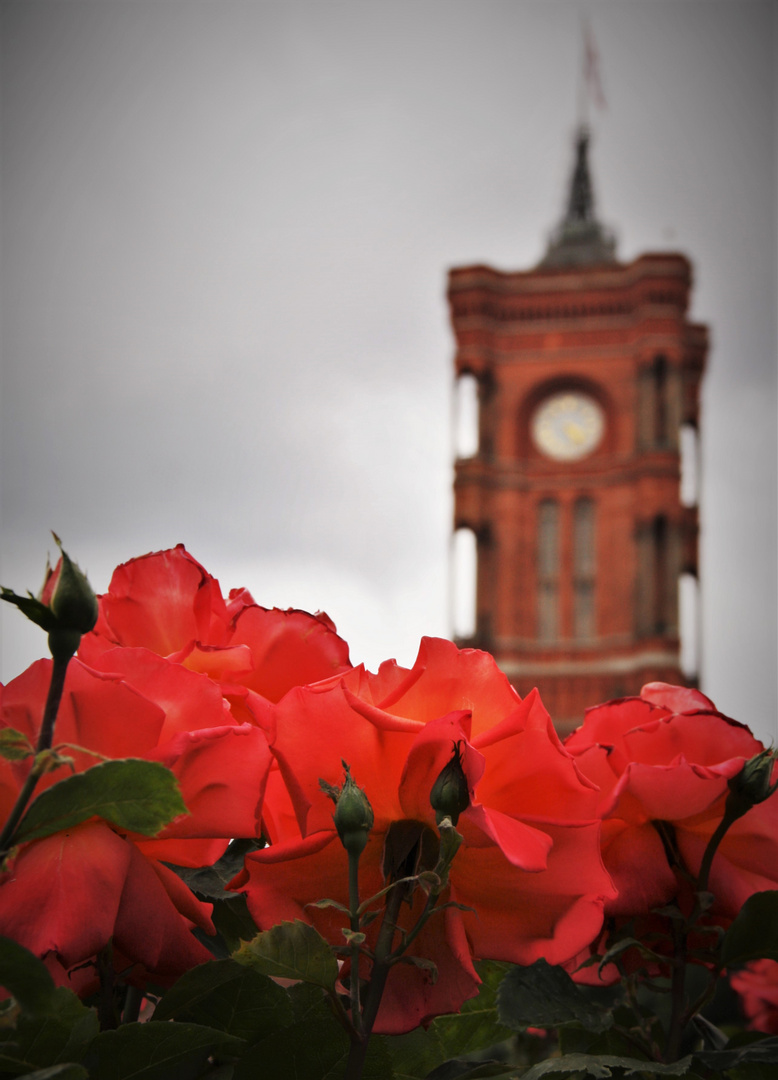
(568,425)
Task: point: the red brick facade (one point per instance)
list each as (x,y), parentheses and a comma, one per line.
(584,603)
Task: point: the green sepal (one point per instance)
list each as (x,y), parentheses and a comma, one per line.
(35,611)
(73,601)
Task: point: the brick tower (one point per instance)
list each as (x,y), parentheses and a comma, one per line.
(588,372)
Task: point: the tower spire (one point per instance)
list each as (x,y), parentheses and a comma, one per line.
(580,205)
(580,239)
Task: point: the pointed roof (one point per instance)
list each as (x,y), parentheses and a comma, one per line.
(580,240)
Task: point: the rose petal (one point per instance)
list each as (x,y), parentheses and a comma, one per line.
(222,774)
(521,844)
(522,917)
(288,648)
(63,892)
(677,699)
(162,601)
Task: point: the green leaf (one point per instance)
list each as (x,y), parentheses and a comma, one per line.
(763,1051)
(546,996)
(321,904)
(309,1003)
(67,1071)
(14,746)
(53,1027)
(312,1050)
(233,920)
(25,976)
(622,946)
(230,997)
(474,1070)
(157,1051)
(601,1066)
(209,881)
(140,796)
(57,1032)
(291,950)
(754,933)
(573,1039)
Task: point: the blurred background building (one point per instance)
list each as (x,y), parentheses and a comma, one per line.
(578,496)
(226,228)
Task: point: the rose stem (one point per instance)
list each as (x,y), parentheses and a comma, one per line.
(680,1017)
(375,988)
(45,739)
(353,903)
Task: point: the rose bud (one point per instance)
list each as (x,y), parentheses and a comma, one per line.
(71,597)
(751,785)
(66,607)
(353,815)
(450,794)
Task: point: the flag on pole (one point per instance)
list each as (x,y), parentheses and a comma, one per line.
(592,82)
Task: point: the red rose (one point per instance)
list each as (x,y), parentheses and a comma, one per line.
(167,603)
(177,674)
(667,756)
(101,885)
(529,865)
(165,627)
(757,985)
(68,895)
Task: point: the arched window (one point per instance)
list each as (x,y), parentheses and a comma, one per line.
(584,568)
(659,613)
(690,465)
(658,569)
(659,405)
(463,585)
(660,401)
(548,570)
(466,419)
(689,620)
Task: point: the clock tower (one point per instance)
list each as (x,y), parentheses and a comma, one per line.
(588,377)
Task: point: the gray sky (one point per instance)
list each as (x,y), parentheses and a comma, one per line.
(226,228)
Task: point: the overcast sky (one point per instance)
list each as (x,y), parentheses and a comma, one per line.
(226,228)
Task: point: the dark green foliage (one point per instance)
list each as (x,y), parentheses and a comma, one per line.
(754,933)
(157,1051)
(546,996)
(230,997)
(291,950)
(140,796)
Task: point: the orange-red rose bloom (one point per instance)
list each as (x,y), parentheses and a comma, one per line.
(167,604)
(668,756)
(173,673)
(66,896)
(530,865)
